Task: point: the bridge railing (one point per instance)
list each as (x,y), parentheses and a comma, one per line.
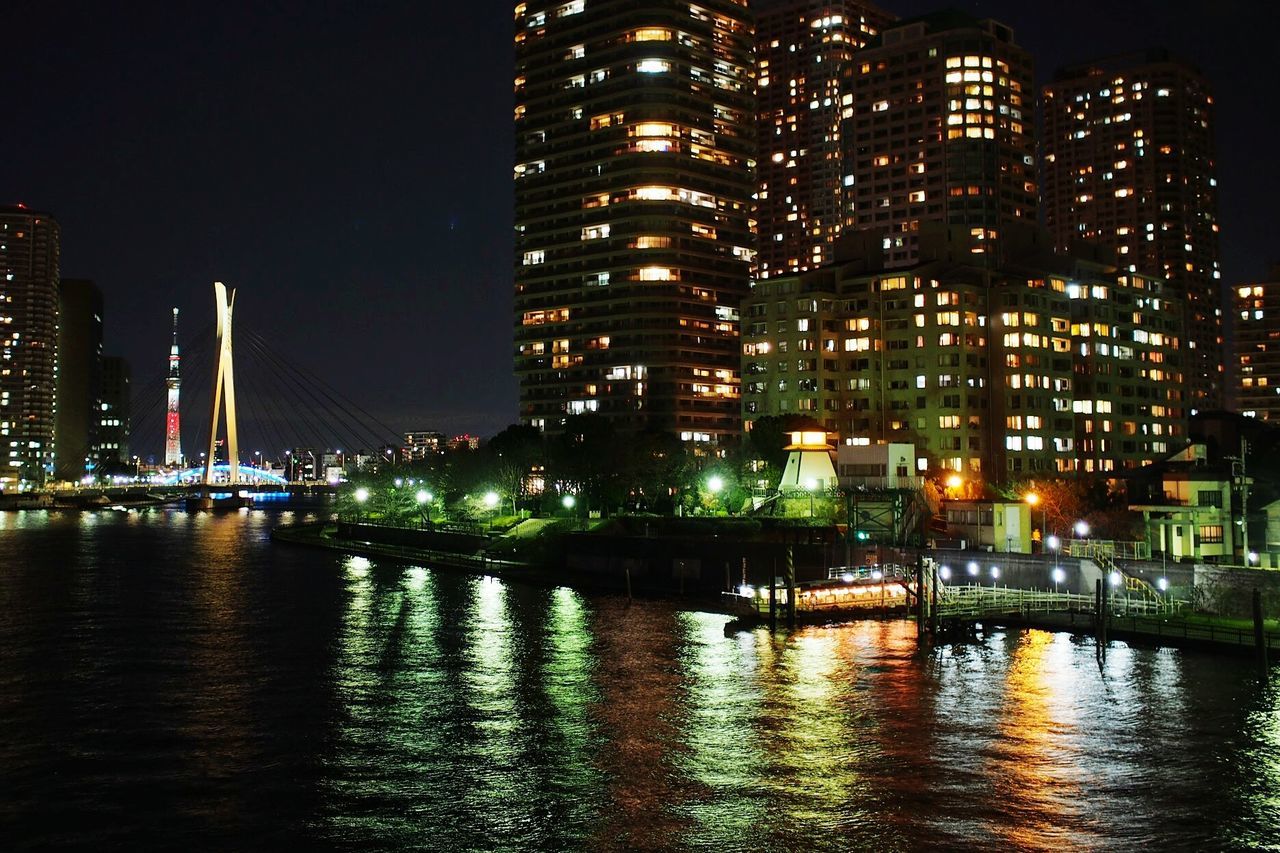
(984,600)
(890,571)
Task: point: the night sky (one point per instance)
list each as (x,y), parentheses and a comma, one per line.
(347,166)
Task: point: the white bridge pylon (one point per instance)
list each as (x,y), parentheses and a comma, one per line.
(224,379)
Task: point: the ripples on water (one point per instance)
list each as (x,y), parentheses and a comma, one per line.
(170,679)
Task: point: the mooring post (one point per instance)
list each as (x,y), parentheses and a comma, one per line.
(1105,616)
(791,587)
(1097,610)
(919,598)
(773,596)
(627,572)
(933,601)
(1259,635)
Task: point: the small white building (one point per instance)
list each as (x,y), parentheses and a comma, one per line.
(1194,519)
(877,466)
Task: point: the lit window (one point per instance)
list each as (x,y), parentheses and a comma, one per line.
(653,66)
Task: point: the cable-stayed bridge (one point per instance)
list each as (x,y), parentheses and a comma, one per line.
(250,416)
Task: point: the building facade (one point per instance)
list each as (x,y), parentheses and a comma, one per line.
(79,385)
(938,126)
(633,181)
(1036,363)
(114,421)
(29,273)
(1129,163)
(1257,342)
(803,48)
(419,444)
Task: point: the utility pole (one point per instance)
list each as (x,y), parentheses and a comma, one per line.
(1244,501)
(1239,470)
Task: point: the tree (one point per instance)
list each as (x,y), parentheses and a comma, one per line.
(654,464)
(511,455)
(585,459)
(770,435)
(1063,501)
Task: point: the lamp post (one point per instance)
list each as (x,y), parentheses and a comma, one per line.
(1082,532)
(361,496)
(1033,500)
(714,485)
(490,500)
(424,505)
(810,485)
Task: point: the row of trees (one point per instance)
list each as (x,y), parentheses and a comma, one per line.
(657,473)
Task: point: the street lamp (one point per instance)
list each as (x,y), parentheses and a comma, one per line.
(424,503)
(567,501)
(715,484)
(810,486)
(490,501)
(1033,500)
(361,496)
(1058,577)
(955,481)
(1082,529)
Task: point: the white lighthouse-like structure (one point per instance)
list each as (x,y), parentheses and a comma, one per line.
(172,425)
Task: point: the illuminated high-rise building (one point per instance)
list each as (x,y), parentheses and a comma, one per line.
(633,181)
(938,126)
(1257,341)
(29,272)
(1000,366)
(114,421)
(1129,163)
(172,419)
(79,385)
(802,49)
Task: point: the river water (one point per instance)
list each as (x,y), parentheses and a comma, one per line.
(174,680)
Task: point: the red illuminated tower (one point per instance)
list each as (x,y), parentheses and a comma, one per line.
(172,435)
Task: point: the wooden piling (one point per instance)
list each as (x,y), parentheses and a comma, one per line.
(919,598)
(791,588)
(1259,635)
(933,601)
(1097,611)
(627,572)
(1105,615)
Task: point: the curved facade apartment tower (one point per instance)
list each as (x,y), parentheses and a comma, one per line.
(633,181)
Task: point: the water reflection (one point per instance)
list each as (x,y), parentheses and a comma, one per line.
(165,667)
